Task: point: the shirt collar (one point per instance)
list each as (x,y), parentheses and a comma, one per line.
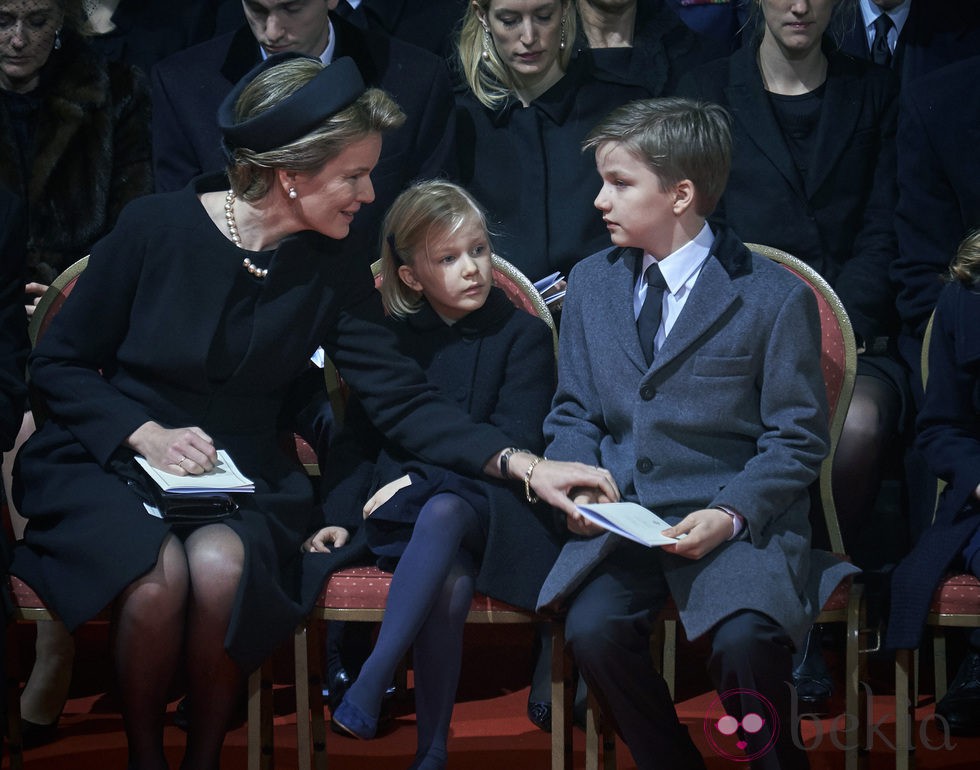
(870,12)
(678,266)
(328,53)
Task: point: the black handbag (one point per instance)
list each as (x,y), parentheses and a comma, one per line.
(175,507)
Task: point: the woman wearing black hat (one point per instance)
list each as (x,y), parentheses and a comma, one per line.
(184,335)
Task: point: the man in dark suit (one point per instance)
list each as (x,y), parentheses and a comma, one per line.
(690,369)
(189,86)
(912,37)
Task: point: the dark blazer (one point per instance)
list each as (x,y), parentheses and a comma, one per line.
(948,428)
(90,154)
(935,34)
(731,412)
(138,339)
(498,364)
(189,86)
(838,219)
(664,48)
(526,166)
(938,194)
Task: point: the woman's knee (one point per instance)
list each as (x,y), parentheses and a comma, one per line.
(215,558)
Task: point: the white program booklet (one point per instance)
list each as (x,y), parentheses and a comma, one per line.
(630,520)
(224,478)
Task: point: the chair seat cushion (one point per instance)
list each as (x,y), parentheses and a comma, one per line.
(23,596)
(957,595)
(366,588)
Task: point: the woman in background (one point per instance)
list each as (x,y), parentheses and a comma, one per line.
(522,112)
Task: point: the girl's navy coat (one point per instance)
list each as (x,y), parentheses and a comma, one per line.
(498,364)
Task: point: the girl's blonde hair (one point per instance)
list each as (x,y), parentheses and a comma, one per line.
(965,266)
(490,80)
(433,208)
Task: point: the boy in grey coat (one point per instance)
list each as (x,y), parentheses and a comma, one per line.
(718,424)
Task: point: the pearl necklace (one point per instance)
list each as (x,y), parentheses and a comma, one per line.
(258,272)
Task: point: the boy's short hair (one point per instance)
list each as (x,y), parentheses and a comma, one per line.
(678,139)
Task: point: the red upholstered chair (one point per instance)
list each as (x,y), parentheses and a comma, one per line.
(838,361)
(361,593)
(955,604)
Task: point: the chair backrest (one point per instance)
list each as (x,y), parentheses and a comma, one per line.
(838,362)
(52,300)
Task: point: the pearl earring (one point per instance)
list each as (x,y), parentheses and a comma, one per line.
(561,45)
(57,39)
(486,44)
(293,195)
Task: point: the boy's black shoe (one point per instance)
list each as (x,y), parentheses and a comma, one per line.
(960,707)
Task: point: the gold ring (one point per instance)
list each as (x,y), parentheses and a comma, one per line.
(181,460)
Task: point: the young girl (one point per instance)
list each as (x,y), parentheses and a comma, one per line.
(444,535)
(948,435)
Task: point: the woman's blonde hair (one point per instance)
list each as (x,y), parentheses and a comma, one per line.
(251,174)
(965,266)
(490,80)
(426,210)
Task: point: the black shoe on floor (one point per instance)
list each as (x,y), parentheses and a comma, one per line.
(339,684)
(960,707)
(33,734)
(539,713)
(811,677)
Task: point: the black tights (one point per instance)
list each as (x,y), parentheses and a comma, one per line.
(187,597)
(871,425)
(430,596)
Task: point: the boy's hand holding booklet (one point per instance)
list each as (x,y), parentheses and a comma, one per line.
(629,520)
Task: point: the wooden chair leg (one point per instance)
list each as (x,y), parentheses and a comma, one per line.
(940,662)
(905,673)
(260,719)
(15,747)
(593,733)
(318,727)
(854,693)
(562,695)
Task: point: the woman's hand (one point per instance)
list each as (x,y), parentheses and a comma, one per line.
(579,525)
(702,532)
(384,494)
(35,290)
(322,540)
(180,451)
(556,483)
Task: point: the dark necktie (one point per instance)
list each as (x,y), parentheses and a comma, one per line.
(648,322)
(880,52)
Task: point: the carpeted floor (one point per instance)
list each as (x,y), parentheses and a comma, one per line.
(490,730)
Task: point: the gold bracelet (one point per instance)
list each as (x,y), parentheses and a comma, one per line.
(528,492)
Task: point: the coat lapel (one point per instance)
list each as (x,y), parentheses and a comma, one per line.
(754,114)
(710,299)
(619,303)
(835,131)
